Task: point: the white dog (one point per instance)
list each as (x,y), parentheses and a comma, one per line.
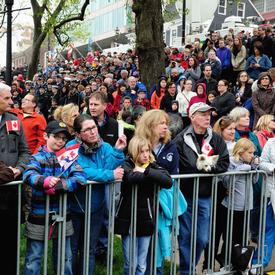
(206,163)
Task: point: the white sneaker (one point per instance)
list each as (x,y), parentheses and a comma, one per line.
(253,271)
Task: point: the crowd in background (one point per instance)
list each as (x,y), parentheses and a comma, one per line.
(231,78)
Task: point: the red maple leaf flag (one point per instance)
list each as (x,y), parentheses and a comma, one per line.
(13,126)
(207,149)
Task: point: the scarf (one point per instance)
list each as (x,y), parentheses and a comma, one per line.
(244,133)
(90,148)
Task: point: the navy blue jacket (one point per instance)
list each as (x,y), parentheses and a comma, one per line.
(168,158)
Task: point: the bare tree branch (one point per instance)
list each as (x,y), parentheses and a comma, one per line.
(59,39)
(3,18)
(80,16)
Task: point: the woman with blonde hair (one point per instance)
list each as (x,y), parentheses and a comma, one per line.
(153,126)
(265,128)
(67,115)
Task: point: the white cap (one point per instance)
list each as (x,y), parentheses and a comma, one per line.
(199,107)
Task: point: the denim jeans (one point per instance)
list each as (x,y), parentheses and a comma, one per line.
(35,252)
(102,243)
(77,239)
(142,247)
(185,227)
(269,241)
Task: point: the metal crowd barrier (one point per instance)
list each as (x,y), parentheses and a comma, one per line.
(197,180)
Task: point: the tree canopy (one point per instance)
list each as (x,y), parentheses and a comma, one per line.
(51,16)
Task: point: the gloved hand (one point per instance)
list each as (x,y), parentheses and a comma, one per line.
(50,182)
(50,191)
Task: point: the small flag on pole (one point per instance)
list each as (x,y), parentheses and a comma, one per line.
(67,156)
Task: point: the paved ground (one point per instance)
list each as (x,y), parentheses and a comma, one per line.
(270,267)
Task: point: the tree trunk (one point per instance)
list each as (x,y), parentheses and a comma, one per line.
(149,40)
(35,55)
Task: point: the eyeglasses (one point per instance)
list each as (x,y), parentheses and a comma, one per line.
(88,130)
(243,75)
(58,138)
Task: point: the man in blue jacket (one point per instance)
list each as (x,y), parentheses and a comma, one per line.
(224,54)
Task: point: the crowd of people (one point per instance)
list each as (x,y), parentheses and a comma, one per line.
(216,99)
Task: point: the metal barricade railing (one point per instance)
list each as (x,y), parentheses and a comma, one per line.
(197,180)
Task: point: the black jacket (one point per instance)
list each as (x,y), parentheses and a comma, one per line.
(246,94)
(108,131)
(268,45)
(153,175)
(166,102)
(224,104)
(188,159)
(211,84)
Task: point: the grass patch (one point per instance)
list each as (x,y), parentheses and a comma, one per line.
(99,269)
(118,260)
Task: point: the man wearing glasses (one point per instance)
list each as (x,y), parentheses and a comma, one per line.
(34,124)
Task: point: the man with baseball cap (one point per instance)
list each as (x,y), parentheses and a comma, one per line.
(196,139)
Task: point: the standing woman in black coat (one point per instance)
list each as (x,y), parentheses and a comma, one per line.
(242,90)
(141,170)
(224,102)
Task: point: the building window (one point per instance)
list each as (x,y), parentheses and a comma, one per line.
(241,10)
(222,7)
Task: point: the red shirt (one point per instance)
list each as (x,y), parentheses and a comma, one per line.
(34,126)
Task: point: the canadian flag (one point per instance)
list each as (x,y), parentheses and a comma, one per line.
(207,149)
(67,156)
(13,126)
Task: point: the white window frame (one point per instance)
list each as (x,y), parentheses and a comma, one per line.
(242,10)
(224,7)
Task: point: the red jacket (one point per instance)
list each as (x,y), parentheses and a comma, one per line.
(263,137)
(34,128)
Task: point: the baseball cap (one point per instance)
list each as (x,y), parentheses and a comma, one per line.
(55,127)
(200,107)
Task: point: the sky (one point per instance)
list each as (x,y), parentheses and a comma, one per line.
(23,18)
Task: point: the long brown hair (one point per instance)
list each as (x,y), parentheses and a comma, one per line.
(237,48)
